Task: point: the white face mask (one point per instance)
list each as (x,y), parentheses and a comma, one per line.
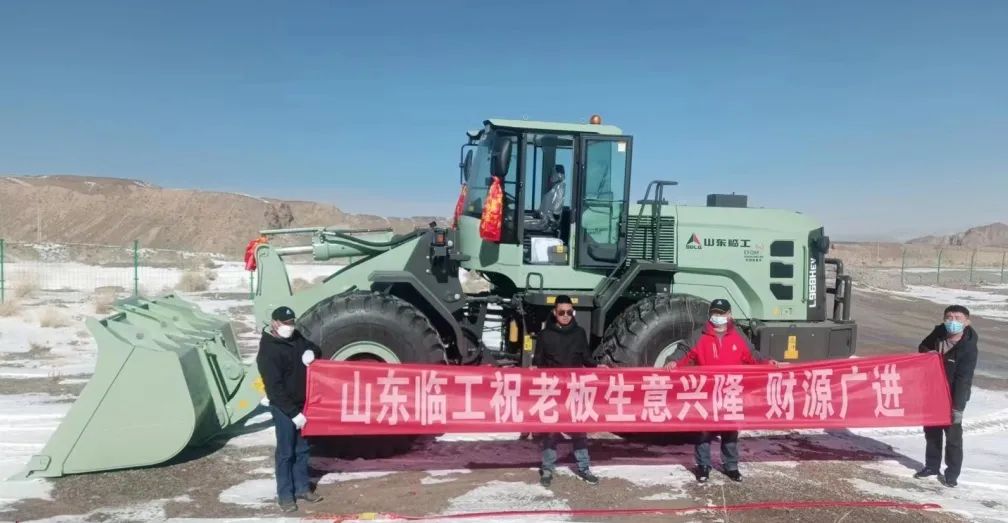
(285,331)
(719,321)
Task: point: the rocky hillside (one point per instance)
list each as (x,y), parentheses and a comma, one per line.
(993,235)
(113,211)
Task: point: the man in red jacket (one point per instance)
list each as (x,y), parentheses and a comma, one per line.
(719,344)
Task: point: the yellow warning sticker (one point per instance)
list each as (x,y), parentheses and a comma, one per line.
(528,343)
(792,348)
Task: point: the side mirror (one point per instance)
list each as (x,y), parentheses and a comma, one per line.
(465,165)
(501,157)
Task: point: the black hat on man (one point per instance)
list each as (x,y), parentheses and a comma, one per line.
(283,314)
(720,305)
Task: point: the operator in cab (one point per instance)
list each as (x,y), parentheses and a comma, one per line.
(283,359)
(719,344)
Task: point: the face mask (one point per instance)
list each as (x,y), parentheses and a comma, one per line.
(285,331)
(719,321)
(954,327)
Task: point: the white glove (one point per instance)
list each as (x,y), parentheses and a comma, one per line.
(307,357)
(299,421)
(264,402)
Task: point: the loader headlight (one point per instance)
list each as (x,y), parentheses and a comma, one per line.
(439,239)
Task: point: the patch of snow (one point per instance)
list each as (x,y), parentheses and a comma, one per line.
(434,481)
(250,493)
(26,423)
(255,458)
(263,470)
(506,495)
(663,496)
(980,303)
(341,477)
(447,472)
(669,476)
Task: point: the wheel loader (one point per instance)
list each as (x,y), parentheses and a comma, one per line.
(640,273)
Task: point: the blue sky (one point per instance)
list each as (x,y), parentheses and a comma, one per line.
(901,107)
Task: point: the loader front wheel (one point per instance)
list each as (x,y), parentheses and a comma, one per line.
(648,334)
(371,327)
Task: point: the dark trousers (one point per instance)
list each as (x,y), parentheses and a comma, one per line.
(953,449)
(291,458)
(549,455)
(729,449)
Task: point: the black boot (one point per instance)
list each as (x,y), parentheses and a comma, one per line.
(925,472)
(702,473)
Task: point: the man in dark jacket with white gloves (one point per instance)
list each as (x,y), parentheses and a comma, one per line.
(563,344)
(283,359)
(956,341)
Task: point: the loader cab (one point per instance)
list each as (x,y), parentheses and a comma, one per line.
(565,189)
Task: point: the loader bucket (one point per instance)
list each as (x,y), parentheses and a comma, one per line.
(168,376)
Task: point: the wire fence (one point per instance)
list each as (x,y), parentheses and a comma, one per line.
(120,270)
(929,264)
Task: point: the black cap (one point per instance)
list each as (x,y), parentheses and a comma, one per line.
(283,314)
(720,305)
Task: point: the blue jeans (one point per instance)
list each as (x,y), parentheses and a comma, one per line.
(291,458)
(549,455)
(729,449)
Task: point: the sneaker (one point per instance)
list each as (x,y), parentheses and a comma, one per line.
(545,479)
(288,506)
(925,472)
(734,475)
(310,497)
(587,476)
(702,473)
(948,482)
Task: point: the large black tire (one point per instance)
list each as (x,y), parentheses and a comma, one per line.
(340,321)
(647,334)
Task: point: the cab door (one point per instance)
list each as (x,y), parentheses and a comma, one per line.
(602,193)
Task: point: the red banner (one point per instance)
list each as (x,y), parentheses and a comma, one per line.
(355,398)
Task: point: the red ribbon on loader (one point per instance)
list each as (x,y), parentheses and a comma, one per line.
(250,249)
(493,212)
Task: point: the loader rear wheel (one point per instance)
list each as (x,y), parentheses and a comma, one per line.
(647,334)
(371,327)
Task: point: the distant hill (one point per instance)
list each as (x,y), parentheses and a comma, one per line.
(115,211)
(993,235)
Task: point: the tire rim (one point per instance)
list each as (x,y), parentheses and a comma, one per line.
(365,350)
(667,353)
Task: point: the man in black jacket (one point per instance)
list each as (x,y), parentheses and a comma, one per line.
(283,359)
(563,344)
(956,341)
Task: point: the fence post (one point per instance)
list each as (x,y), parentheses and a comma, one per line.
(3,289)
(251,285)
(903,268)
(938,278)
(972,259)
(1002,266)
(136,268)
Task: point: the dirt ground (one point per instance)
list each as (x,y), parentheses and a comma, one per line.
(430,479)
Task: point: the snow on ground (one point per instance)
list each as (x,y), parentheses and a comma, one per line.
(26,422)
(506,495)
(251,493)
(228,275)
(342,477)
(980,302)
